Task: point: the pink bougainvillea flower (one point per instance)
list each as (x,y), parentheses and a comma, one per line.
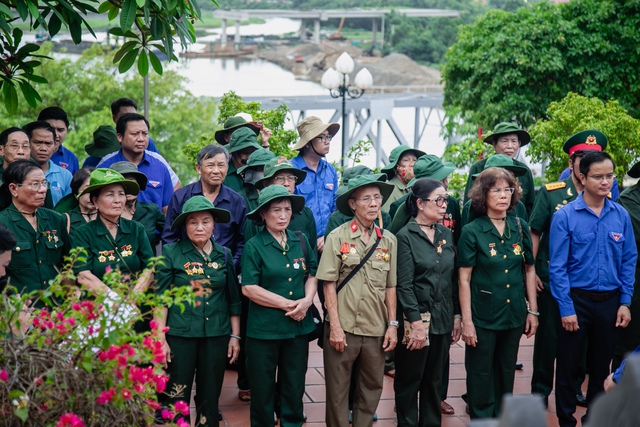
(70,420)
(139,388)
(167,414)
(4,376)
(182,423)
(126,393)
(153,324)
(182,407)
(153,404)
(106,396)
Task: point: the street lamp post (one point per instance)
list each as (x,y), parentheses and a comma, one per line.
(337,81)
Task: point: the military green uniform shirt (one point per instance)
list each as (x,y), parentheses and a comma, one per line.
(497,291)
(233,180)
(526,182)
(37,255)
(250,196)
(451,220)
(266,264)
(152,219)
(426,272)
(209,317)
(76,219)
(129,252)
(302,221)
(337,218)
(399,190)
(361,303)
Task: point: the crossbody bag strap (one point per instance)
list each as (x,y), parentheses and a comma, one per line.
(359,266)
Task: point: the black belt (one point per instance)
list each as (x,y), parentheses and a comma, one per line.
(595,296)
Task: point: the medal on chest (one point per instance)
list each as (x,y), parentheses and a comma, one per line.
(517,250)
(111,257)
(295,264)
(103,256)
(439,248)
(385,254)
(492,250)
(344,250)
(213,265)
(304,266)
(125,251)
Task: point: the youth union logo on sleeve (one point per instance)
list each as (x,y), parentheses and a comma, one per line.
(616,236)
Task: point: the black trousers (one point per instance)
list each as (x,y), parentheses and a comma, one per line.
(597,324)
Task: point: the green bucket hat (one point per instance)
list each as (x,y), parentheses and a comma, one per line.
(200,204)
(230,125)
(430,166)
(505,162)
(342,202)
(274,192)
(104,142)
(241,139)
(257,158)
(396,154)
(102,177)
(128,168)
(66,204)
(382,177)
(276,165)
(506,128)
(353,172)
(590,139)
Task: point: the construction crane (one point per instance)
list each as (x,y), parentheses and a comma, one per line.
(337,36)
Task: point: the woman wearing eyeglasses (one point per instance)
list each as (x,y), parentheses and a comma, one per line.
(426,289)
(42,240)
(494,253)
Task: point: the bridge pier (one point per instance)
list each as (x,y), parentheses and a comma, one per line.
(236,37)
(223,33)
(316,31)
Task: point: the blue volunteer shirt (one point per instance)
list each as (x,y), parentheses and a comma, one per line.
(225,234)
(159,188)
(591,253)
(59,181)
(319,189)
(66,159)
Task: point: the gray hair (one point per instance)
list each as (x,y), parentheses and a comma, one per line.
(209,151)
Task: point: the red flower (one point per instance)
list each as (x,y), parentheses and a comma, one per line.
(182,407)
(70,420)
(153,404)
(126,393)
(106,396)
(4,376)
(182,423)
(167,414)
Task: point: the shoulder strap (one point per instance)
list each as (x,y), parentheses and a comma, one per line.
(520,229)
(299,235)
(359,266)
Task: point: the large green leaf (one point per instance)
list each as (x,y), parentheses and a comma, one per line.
(155,62)
(128,60)
(23,9)
(30,94)
(105,6)
(128,14)
(126,47)
(54,24)
(10,97)
(143,63)
(113,14)
(5,10)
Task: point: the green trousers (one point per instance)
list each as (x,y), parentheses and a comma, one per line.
(420,372)
(288,359)
(491,366)
(204,358)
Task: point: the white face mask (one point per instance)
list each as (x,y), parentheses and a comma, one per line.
(252,176)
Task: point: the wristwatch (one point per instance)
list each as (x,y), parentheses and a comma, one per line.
(394,323)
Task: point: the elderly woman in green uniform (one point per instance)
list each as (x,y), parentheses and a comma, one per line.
(79,210)
(41,235)
(147,214)
(111,241)
(425,290)
(205,334)
(494,253)
(400,171)
(251,173)
(274,264)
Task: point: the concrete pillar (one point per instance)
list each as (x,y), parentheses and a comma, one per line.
(236,37)
(223,34)
(316,31)
(303,29)
(374,30)
(382,33)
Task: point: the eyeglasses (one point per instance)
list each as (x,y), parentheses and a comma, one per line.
(35,186)
(600,178)
(440,201)
(16,147)
(281,179)
(368,199)
(326,138)
(506,190)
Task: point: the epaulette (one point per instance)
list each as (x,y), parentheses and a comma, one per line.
(555,185)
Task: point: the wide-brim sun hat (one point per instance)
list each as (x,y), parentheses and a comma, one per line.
(342,202)
(382,177)
(128,168)
(105,141)
(276,192)
(67,203)
(258,158)
(241,139)
(312,127)
(588,140)
(507,128)
(430,166)
(200,204)
(231,124)
(395,156)
(504,162)
(273,166)
(102,177)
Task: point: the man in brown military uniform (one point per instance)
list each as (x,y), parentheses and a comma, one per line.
(362,323)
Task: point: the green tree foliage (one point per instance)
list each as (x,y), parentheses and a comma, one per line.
(145,25)
(513,65)
(575,113)
(86,86)
(231,104)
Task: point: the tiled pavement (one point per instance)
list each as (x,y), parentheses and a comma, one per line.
(236,413)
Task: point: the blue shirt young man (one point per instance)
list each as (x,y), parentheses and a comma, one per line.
(591,272)
(58,119)
(321,183)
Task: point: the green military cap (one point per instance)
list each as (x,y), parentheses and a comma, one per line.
(241,139)
(312,127)
(276,165)
(231,124)
(257,158)
(507,128)
(128,168)
(104,142)
(275,192)
(342,202)
(504,162)
(430,166)
(590,139)
(396,154)
(200,204)
(102,177)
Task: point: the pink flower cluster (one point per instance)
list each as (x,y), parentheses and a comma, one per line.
(70,420)
(4,376)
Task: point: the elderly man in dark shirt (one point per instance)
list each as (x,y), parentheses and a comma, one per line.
(212,165)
